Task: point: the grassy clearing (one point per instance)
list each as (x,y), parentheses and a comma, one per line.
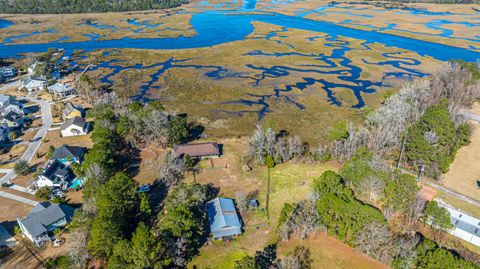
(290,182)
(460,204)
(464,170)
(328,252)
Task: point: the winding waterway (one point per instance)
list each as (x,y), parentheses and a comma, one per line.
(216,27)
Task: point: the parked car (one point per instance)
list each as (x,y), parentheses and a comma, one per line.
(144,188)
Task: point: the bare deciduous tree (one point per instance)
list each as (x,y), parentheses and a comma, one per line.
(77,247)
(372,188)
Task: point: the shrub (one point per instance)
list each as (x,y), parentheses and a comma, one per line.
(22,168)
(43,193)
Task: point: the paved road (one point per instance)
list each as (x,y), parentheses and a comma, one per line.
(38,138)
(456,194)
(471,116)
(18,198)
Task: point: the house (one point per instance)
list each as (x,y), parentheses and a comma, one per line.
(74,127)
(31,69)
(61,90)
(224,221)
(12,119)
(34,83)
(7,72)
(42,220)
(198,150)
(465,226)
(55,175)
(68,154)
(70,111)
(8,104)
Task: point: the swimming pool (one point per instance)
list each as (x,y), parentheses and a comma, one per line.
(76,183)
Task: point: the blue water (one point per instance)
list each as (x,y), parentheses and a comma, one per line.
(212,29)
(76,183)
(5,23)
(235,24)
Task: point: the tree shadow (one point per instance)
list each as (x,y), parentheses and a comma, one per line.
(195,131)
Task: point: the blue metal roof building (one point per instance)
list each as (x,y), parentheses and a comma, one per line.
(224,221)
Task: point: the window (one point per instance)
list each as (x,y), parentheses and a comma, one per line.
(460,216)
(476,230)
(456,222)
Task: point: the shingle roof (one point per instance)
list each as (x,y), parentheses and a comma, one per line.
(12,116)
(54,170)
(197,150)
(68,109)
(41,217)
(66,152)
(223,218)
(77,121)
(60,87)
(5,98)
(32,78)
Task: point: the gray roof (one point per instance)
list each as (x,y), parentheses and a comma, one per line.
(31,78)
(66,152)
(60,87)
(69,107)
(464,222)
(4,98)
(13,116)
(56,169)
(41,216)
(77,121)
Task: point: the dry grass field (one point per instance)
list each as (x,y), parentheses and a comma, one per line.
(465,170)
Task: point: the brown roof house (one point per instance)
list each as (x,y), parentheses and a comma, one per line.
(198,150)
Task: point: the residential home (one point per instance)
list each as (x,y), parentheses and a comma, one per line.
(224,220)
(55,175)
(68,154)
(32,67)
(197,150)
(34,83)
(465,226)
(7,72)
(70,111)
(61,90)
(12,119)
(42,220)
(9,104)
(74,127)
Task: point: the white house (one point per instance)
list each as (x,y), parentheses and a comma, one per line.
(465,226)
(43,219)
(56,175)
(7,72)
(74,127)
(12,119)
(61,90)
(32,67)
(34,84)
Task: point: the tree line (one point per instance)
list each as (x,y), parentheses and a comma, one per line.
(369,204)
(117,224)
(84,6)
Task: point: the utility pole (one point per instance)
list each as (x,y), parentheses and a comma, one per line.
(402,149)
